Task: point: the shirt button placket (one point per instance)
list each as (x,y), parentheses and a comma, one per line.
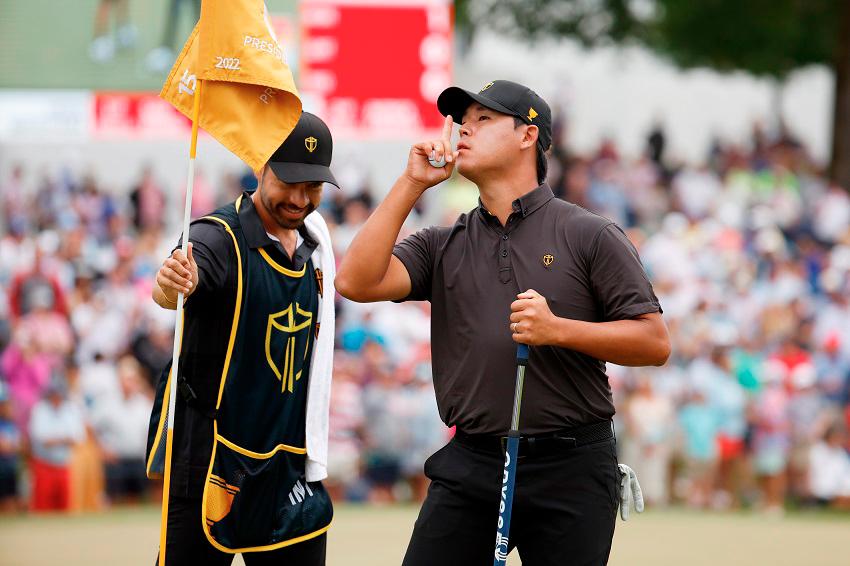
(504,261)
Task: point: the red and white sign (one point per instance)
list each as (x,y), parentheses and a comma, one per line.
(374,69)
(129,115)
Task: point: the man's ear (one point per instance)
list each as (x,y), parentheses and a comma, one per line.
(529,138)
(260,174)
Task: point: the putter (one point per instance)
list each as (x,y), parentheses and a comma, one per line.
(503,527)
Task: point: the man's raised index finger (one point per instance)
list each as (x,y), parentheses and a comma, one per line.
(447,137)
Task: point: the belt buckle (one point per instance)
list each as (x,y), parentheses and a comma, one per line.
(569,439)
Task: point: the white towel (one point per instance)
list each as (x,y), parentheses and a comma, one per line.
(321,363)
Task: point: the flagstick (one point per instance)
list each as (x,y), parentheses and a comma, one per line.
(178,329)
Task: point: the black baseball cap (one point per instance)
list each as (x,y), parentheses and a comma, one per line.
(506,97)
(305,156)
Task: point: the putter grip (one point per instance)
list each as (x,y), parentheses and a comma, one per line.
(522,354)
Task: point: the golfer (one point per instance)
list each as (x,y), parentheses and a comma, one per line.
(250,433)
(521,267)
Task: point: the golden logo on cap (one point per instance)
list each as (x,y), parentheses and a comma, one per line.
(548,259)
(488,85)
(532,114)
(311,143)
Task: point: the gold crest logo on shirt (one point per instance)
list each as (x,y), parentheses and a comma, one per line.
(311,143)
(532,114)
(548,259)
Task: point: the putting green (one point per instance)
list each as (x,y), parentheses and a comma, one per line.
(377,536)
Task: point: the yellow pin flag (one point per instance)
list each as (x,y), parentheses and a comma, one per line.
(249,102)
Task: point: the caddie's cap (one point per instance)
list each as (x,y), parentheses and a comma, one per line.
(506,97)
(305,156)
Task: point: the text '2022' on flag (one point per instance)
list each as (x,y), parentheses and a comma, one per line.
(249,101)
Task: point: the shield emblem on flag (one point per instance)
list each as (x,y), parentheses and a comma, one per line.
(287,342)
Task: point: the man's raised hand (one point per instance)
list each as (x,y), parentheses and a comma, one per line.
(420,171)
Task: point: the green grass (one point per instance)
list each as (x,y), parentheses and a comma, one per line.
(377,536)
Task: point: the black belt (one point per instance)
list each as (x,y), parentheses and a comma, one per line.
(542,443)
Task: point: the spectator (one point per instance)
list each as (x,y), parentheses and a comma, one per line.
(88,491)
(27,372)
(647,449)
(385,446)
(121,426)
(728,397)
(700,423)
(10,454)
(40,284)
(55,426)
(14,199)
(347,419)
(829,462)
(48,329)
(771,442)
(98,383)
(808,416)
(655,144)
(358,333)
(355,213)
(832,370)
(425,432)
(147,200)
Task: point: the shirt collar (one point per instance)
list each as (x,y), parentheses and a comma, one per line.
(253,229)
(527,203)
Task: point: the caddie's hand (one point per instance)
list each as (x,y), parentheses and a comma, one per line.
(178,274)
(419,171)
(532,322)
(630,492)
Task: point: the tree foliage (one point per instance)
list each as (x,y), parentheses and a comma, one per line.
(764,37)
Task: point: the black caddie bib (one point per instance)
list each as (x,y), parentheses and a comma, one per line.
(255,494)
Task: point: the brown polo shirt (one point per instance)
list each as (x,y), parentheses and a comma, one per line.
(471,272)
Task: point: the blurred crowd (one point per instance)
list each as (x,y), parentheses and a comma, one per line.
(749,255)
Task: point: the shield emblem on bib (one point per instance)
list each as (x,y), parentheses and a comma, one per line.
(287,341)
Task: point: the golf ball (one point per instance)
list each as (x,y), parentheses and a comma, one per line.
(437,163)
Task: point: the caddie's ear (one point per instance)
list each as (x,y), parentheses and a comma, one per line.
(529,137)
(259,174)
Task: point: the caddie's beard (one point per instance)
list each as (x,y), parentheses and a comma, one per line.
(279,213)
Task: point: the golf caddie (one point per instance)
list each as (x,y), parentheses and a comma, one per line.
(250,434)
(522,267)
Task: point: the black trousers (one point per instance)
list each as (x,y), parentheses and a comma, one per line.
(564,507)
(188,545)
